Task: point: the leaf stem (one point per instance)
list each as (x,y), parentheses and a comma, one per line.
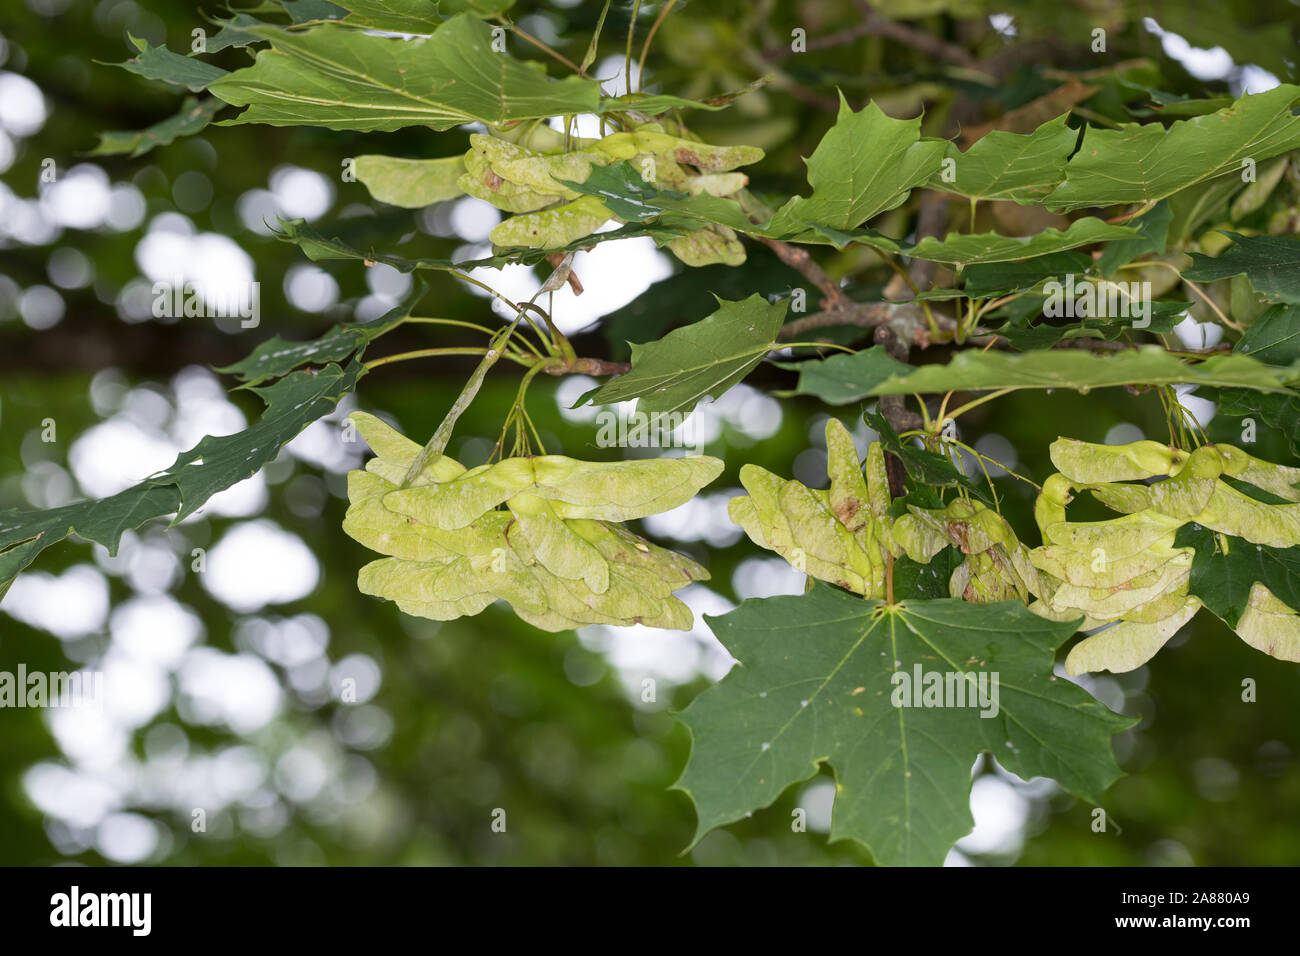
(817,345)
(523,35)
(1214,306)
(631,32)
(429,353)
(645,48)
(438,443)
(977,402)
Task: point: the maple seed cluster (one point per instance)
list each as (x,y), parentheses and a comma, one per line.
(527,172)
(1126,571)
(845,535)
(556,552)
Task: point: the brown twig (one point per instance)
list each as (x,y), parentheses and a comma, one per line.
(840,38)
(802,261)
(524,35)
(931,220)
(874,23)
(917,39)
(894,408)
(588,366)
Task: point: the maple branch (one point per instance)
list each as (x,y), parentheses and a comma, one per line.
(524,35)
(843,37)
(916,39)
(588,366)
(802,261)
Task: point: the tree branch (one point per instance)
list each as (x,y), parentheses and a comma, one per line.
(802,261)
(916,39)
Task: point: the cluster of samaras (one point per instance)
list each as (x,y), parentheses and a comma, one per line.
(542,534)
(528,176)
(1123,575)
(1127,569)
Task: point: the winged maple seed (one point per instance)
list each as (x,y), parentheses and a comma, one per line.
(846,536)
(556,553)
(1126,572)
(530,177)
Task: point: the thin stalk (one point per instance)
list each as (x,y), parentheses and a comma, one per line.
(540,45)
(977,402)
(979,460)
(927,424)
(631,32)
(590,56)
(1214,306)
(438,443)
(645,48)
(429,353)
(477,327)
(816,345)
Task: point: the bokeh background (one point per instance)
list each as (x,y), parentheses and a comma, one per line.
(223,684)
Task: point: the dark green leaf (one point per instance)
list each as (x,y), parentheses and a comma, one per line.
(293,403)
(1223,581)
(817,684)
(702,359)
(160,63)
(969,248)
(333,76)
(276,356)
(927,468)
(1272,263)
(1145,163)
(1154,230)
(866,163)
(1021,168)
(193,116)
(843,378)
(1000,278)
(1146,365)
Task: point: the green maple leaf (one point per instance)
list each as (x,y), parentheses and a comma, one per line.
(276,356)
(1145,162)
(867,163)
(400,16)
(192,117)
(1223,581)
(815,683)
(160,63)
(999,278)
(233,33)
(1021,168)
(1272,263)
(703,359)
(1164,316)
(293,403)
(968,248)
(1154,229)
(320,246)
(215,463)
(930,469)
(334,76)
(1274,338)
(1146,365)
(843,378)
